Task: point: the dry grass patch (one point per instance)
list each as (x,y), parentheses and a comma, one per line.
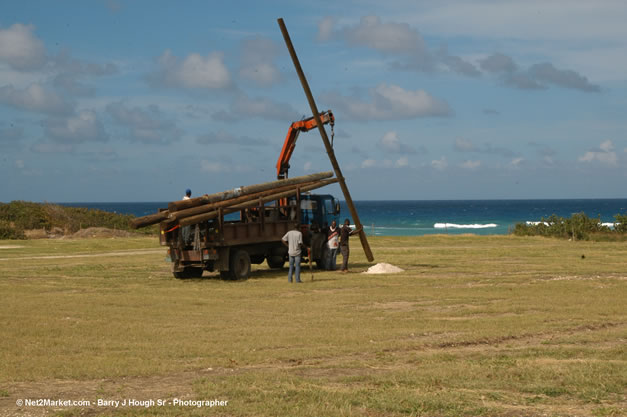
(490,326)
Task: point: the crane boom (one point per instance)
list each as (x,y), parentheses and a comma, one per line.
(305,125)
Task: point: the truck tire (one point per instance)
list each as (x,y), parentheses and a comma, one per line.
(239,264)
(276,262)
(188,272)
(257,259)
(322,261)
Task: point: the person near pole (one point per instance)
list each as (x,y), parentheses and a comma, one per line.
(333,237)
(294,242)
(345,232)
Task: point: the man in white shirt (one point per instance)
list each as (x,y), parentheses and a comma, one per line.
(293,240)
(333,237)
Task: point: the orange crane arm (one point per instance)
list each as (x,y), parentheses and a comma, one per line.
(305,125)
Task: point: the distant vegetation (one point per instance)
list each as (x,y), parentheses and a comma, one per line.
(17,217)
(577,227)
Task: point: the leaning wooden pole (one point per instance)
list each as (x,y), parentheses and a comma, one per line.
(327,144)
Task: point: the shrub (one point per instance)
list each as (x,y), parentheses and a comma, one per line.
(620,223)
(577,227)
(18,216)
(9,231)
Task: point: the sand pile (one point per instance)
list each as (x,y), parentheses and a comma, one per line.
(383,268)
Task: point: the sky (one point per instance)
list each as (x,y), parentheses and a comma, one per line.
(116,100)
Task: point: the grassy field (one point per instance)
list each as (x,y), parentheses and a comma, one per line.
(475,326)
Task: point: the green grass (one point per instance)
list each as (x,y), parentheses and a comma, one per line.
(490,326)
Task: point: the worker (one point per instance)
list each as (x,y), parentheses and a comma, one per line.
(186,231)
(294,241)
(333,237)
(345,232)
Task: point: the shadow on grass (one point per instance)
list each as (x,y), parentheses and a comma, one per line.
(305,274)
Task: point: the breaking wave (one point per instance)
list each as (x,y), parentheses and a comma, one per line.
(464,226)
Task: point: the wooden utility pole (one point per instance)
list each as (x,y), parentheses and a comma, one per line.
(327,144)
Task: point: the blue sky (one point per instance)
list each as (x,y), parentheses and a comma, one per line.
(139,100)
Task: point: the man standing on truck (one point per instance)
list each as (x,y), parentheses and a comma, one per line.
(186,231)
(293,240)
(345,232)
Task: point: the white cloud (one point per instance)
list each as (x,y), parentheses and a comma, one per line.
(391,143)
(82,127)
(47,147)
(604,155)
(592,41)
(308,165)
(396,39)
(401,162)
(545,72)
(440,164)
(471,164)
(257,61)
(537,76)
(193,72)
(224,138)
(244,107)
(147,125)
(389,102)
(515,163)
(212,166)
(325,28)
(36,98)
(369,163)
(385,37)
(607,146)
(222,166)
(21,49)
(498,63)
(464,145)
(456,64)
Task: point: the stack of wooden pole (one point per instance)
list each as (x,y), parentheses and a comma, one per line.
(209,206)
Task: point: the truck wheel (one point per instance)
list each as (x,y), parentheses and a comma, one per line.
(189,272)
(276,262)
(179,275)
(194,272)
(257,259)
(240,264)
(322,261)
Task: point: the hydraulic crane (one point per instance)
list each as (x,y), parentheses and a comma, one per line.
(305,125)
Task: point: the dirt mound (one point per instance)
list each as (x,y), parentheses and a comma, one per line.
(100,232)
(383,268)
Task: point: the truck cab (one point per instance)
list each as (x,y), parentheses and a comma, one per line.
(317,211)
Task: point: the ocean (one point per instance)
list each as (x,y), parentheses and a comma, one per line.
(415,218)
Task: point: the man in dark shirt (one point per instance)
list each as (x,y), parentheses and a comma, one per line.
(345,232)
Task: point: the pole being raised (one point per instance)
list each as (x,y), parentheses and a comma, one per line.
(325,139)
